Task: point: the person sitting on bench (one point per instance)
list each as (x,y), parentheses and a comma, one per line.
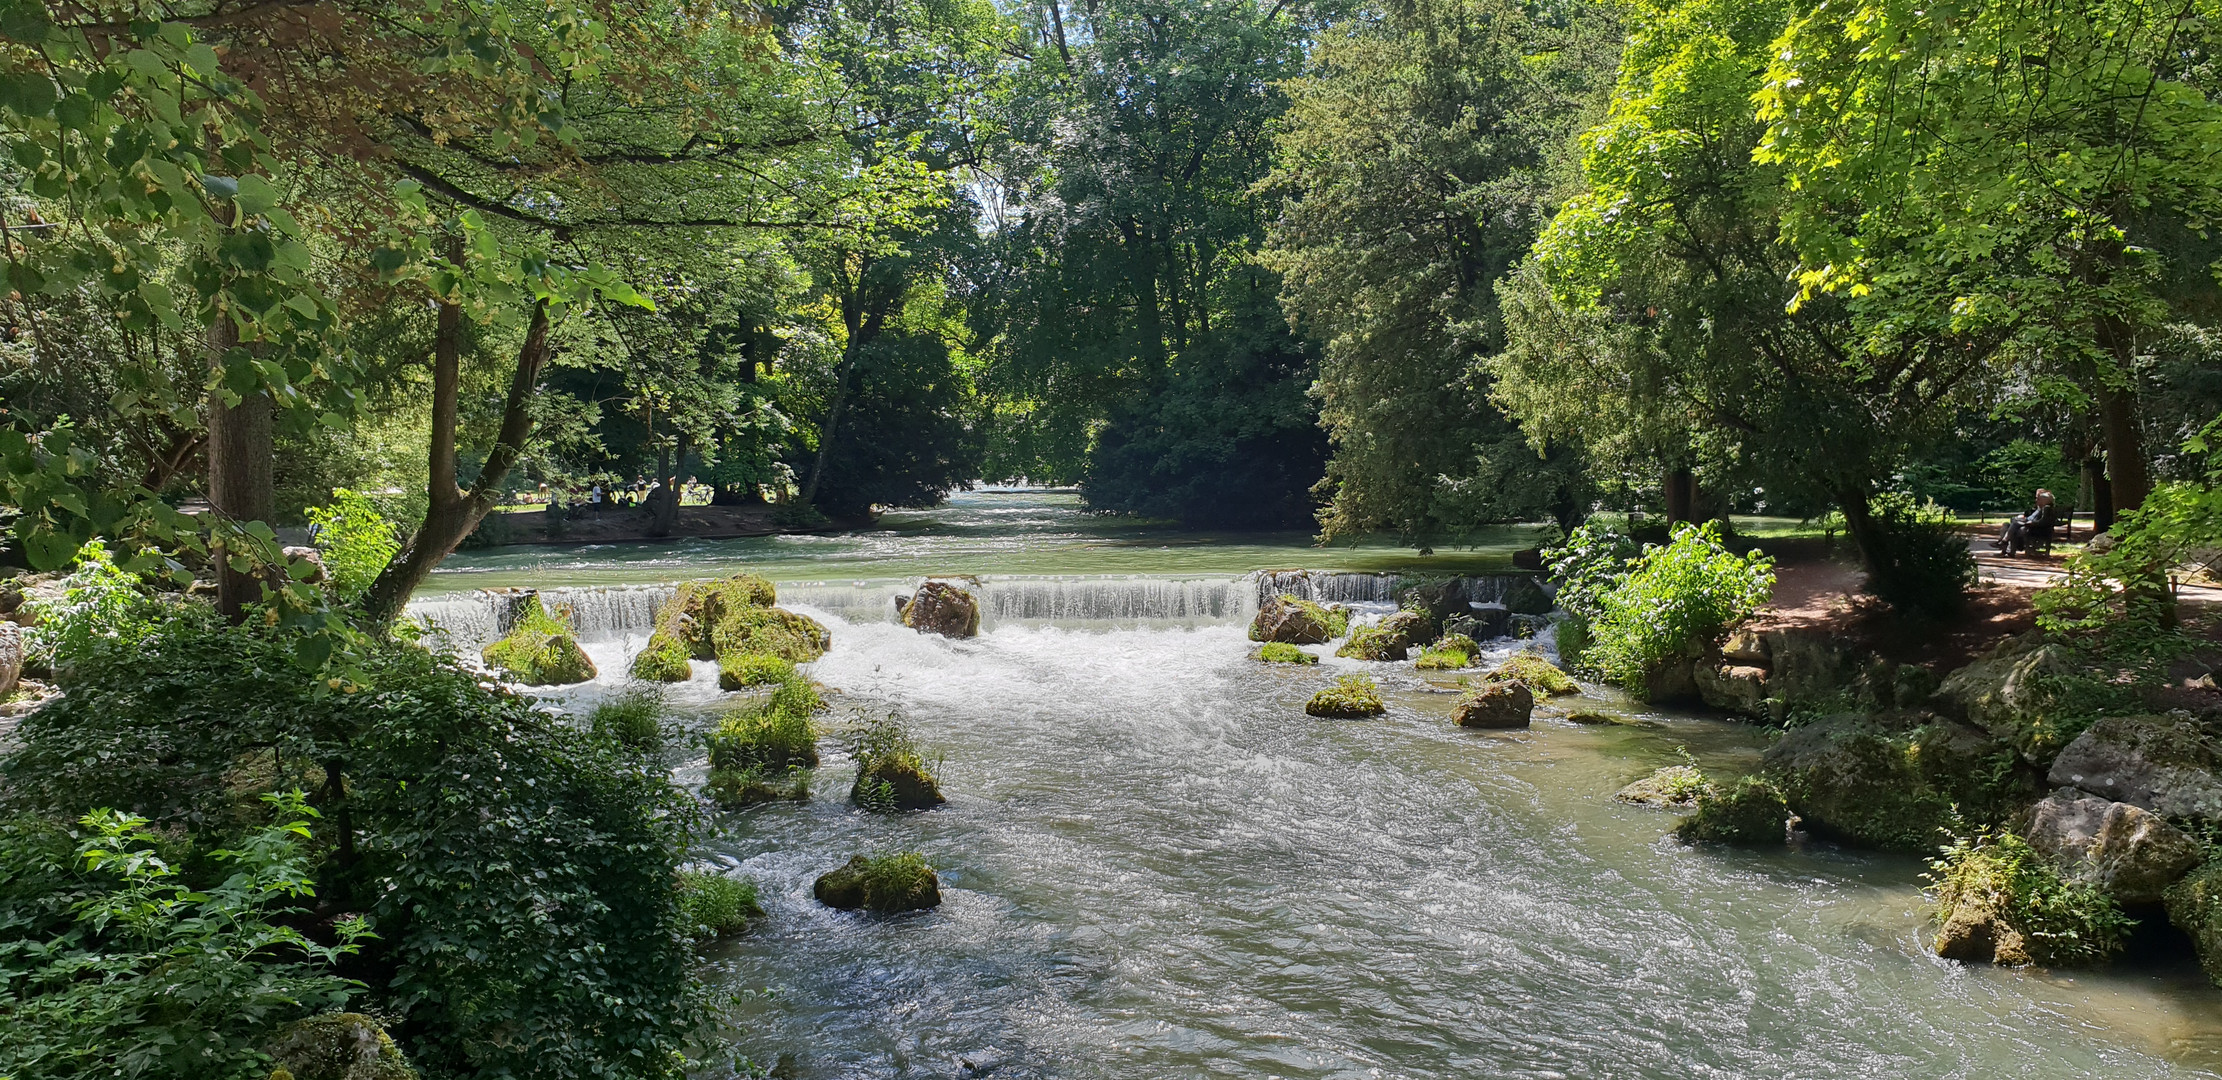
(2032,529)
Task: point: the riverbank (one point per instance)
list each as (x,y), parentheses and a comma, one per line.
(629,524)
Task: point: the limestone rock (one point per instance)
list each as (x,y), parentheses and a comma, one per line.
(1291,621)
(1676,787)
(1391,640)
(1973,933)
(942,608)
(1496,706)
(1745,647)
(1674,682)
(2195,907)
(2129,852)
(1486,623)
(1736,688)
(540,649)
(340,1046)
(889,884)
(11,657)
(1526,596)
(1892,780)
(1750,812)
(2162,764)
(2011,694)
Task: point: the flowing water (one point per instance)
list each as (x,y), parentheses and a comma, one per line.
(1155,865)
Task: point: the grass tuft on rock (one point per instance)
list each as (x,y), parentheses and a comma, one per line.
(715,905)
(1999,901)
(630,718)
(540,650)
(1750,812)
(892,775)
(886,884)
(1278,652)
(1675,787)
(1352,697)
(1374,643)
(1541,675)
(775,734)
(665,659)
(745,671)
(755,785)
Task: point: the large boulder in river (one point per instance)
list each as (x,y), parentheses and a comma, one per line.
(1391,639)
(2195,907)
(1292,621)
(1486,623)
(1496,706)
(1527,596)
(2015,694)
(942,608)
(1893,780)
(2129,852)
(2164,764)
(887,884)
(540,649)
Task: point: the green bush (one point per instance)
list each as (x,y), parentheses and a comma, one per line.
(1688,591)
(630,718)
(743,671)
(1276,652)
(775,734)
(456,818)
(1923,565)
(1352,697)
(1750,812)
(112,963)
(892,774)
(100,601)
(2056,920)
(716,905)
(356,541)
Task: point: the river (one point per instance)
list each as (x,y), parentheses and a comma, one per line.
(1155,865)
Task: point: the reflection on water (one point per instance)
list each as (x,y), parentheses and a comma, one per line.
(992,531)
(1156,866)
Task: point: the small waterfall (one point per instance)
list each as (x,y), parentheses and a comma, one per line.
(599,613)
(1117,600)
(1328,587)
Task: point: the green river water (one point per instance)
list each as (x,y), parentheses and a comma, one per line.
(1155,865)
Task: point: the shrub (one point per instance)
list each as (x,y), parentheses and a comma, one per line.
(716,905)
(630,718)
(469,817)
(1275,652)
(1750,811)
(776,734)
(744,671)
(1539,673)
(540,650)
(886,884)
(2122,593)
(891,774)
(2037,916)
(356,541)
(1920,564)
(1352,697)
(1686,592)
(114,965)
(100,600)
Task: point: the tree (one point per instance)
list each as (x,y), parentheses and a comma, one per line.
(1415,157)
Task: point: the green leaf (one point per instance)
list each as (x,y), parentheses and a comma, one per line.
(256,195)
(24,20)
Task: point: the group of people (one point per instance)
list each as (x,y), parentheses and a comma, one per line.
(601,495)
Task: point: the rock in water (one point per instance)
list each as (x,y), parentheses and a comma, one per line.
(1497,706)
(1676,787)
(1527,597)
(540,650)
(2195,907)
(942,608)
(11,657)
(1973,933)
(1290,621)
(2158,763)
(2129,852)
(888,884)
(341,1046)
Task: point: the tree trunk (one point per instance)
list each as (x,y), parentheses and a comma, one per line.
(1681,496)
(240,489)
(664,513)
(2125,447)
(2102,495)
(1867,536)
(453,514)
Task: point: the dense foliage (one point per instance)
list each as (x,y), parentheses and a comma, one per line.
(2058,920)
(1660,604)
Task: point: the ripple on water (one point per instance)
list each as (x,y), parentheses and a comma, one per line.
(1156,866)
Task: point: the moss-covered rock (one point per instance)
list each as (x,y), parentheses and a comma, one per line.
(633,717)
(1376,644)
(1750,812)
(1496,706)
(1289,620)
(777,733)
(1450,652)
(1277,652)
(727,617)
(892,775)
(540,650)
(2130,853)
(2195,907)
(797,639)
(939,607)
(747,670)
(1353,697)
(1892,781)
(2024,693)
(888,884)
(665,659)
(1537,672)
(755,785)
(1526,596)
(715,905)
(2000,901)
(340,1046)
(2169,765)
(1675,787)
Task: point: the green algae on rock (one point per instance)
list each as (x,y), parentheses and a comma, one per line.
(1537,672)
(1289,620)
(1353,697)
(540,650)
(887,884)
(1675,787)
(1750,812)
(1281,652)
(727,617)
(1893,781)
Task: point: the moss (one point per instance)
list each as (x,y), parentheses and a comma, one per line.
(748,670)
(1374,643)
(777,733)
(754,785)
(887,884)
(664,659)
(1677,787)
(1538,672)
(1998,900)
(1275,652)
(2195,907)
(1854,780)
(1443,660)
(540,650)
(769,632)
(1352,697)
(729,617)
(892,775)
(1749,812)
(716,905)
(339,1046)
(629,718)
(1297,621)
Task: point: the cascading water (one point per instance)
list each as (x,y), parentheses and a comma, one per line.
(1156,866)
